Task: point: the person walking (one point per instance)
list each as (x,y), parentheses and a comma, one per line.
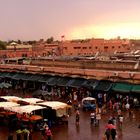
(18,134)
(48,134)
(92,117)
(108,133)
(77,117)
(26,134)
(121,121)
(113,133)
(98,118)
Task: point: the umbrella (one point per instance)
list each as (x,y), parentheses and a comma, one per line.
(5,85)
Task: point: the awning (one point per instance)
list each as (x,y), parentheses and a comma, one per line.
(34,77)
(31,100)
(63,81)
(20,76)
(53,104)
(52,81)
(11,98)
(122,87)
(5,85)
(44,78)
(9,75)
(92,83)
(104,86)
(8,105)
(77,82)
(3,74)
(26,108)
(135,88)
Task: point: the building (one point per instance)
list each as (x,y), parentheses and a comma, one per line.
(91,46)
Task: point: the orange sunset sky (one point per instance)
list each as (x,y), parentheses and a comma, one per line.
(35,19)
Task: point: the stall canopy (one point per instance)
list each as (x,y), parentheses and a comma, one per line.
(8,105)
(122,87)
(33,77)
(3,74)
(92,83)
(44,78)
(104,85)
(77,82)
(9,74)
(5,85)
(26,108)
(52,81)
(135,88)
(31,100)
(53,104)
(20,76)
(61,108)
(11,98)
(63,81)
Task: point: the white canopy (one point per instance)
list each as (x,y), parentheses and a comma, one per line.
(88,99)
(11,98)
(26,108)
(53,104)
(31,100)
(8,105)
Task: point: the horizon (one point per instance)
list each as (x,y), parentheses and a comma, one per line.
(80,19)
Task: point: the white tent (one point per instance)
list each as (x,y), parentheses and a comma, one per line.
(8,105)
(53,104)
(26,108)
(11,98)
(31,100)
(61,108)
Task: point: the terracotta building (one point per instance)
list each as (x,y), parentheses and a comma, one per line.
(69,48)
(91,46)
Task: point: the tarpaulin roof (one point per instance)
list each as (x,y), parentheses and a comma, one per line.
(8,105)
(31,100)
(26,108)
(122,87)
(11,98)
(104,85)
(53,104)
(135,88)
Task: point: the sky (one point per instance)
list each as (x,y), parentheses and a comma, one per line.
(75,19)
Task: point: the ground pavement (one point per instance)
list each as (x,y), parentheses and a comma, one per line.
(86,131)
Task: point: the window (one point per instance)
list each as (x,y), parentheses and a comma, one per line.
(96,47)
(65,48)
(113,47)
(84,47)
(77,47)
(89,47)
(119,47)
(105,47)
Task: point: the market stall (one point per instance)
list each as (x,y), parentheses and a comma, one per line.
(29,101)
(60,107)
(57,112)
(11,98)
(5,114)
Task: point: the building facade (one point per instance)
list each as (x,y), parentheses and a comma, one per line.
(86,47)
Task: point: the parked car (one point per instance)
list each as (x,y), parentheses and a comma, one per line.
(89,103)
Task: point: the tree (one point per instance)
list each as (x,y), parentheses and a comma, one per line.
(2,45)
(50,40)
(19,41)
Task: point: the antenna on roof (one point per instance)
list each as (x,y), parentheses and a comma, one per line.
(136,65)
(97,53)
